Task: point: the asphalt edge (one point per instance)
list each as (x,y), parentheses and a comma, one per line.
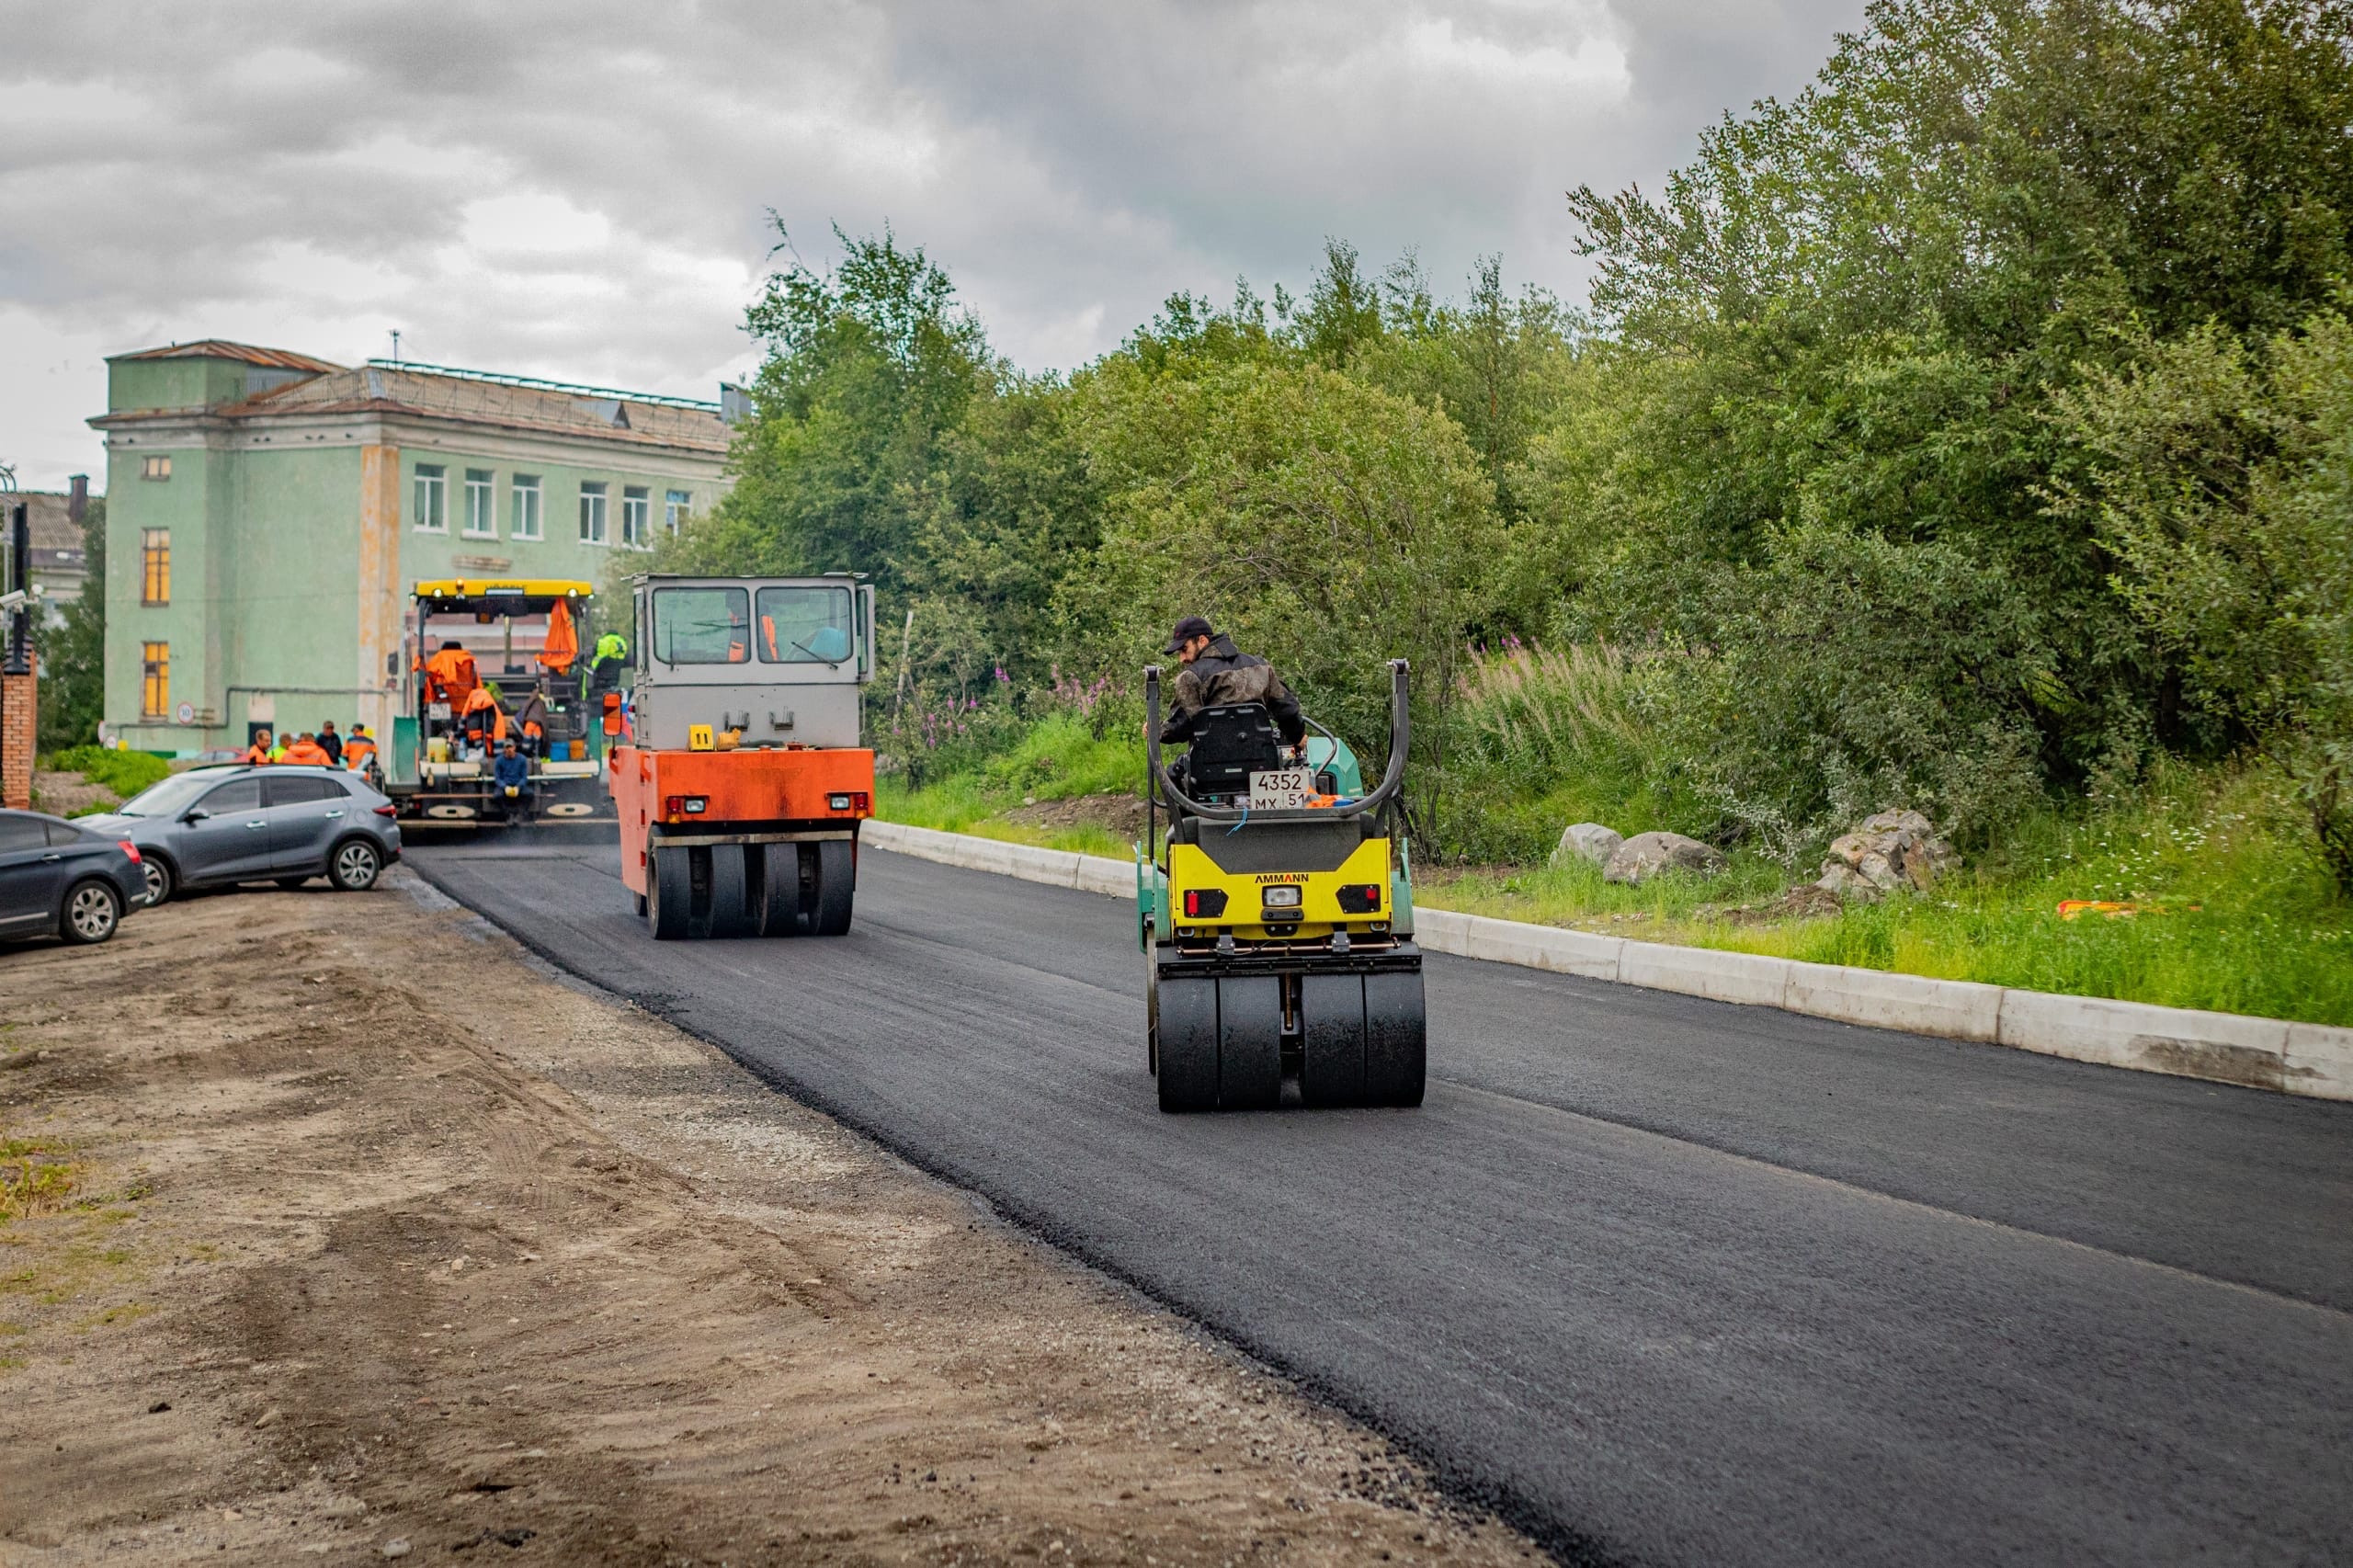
(2310,1060)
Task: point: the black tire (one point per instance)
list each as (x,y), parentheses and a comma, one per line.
(1188,1045)
(160,882)
(829,915)
(92,911)
(354,865)
(1151,1004)
(1396,1039)
(779,889)
(1250,1042)
(641,906)
(732,913)
(670,886)
(1331,1068)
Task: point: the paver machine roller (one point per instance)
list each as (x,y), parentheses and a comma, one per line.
(1276,915)
(743,776)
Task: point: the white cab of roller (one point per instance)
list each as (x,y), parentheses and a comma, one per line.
(779,660)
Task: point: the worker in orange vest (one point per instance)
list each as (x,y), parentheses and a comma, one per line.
(358,749)
(451,675)
(483,721)
(257,754)
(307,751)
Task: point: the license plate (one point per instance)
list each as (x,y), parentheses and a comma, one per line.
(1280,789)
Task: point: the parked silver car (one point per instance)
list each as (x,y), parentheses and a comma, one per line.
(284,822)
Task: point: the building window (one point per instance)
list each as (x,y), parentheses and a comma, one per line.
(155,468)
(155,559)
(481,522)
(155,668)
(432,500)
(637,509)
(592,513)
(674,508)
(524,523)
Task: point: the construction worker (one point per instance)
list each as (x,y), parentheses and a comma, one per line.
(258,753)
(512,776)
(451,675)
(531,719)
(605,666)
(307,752)
(331,743)
(1215,673)
(483,721)
(359,751)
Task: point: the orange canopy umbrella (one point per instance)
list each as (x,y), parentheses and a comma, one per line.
(562,641)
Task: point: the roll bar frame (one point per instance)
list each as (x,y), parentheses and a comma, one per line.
(1400,738)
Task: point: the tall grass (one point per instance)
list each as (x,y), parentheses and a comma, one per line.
(1558,735)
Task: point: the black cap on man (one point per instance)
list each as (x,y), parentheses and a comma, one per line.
(1192,626)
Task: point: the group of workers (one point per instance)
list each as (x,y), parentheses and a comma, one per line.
(324,748)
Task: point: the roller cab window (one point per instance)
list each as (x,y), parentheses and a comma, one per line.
(805,626)
(702,626)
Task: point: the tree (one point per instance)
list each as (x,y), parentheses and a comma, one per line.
(74,653)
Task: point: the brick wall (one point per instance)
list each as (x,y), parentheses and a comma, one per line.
(19,725)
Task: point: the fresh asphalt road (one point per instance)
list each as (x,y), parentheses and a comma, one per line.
(1668,1280)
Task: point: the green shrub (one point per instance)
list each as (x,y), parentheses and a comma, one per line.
(123,772)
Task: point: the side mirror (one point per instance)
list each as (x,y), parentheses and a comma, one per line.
(195,814)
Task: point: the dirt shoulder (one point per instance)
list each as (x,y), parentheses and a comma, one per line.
(382,1239)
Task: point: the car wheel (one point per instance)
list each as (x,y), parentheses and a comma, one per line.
(355,866)
(92,912)
(160,885)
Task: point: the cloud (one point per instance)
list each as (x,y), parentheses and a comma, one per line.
(581,190)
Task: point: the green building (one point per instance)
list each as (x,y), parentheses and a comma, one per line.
(267,514)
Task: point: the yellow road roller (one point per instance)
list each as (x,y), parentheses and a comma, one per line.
(1275,910)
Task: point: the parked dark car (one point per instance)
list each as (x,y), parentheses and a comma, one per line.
(282,823)
(60,879)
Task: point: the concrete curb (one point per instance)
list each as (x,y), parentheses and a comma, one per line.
(2228,1048)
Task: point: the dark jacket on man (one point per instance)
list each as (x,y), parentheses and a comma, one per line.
(512,772)
(1224,674)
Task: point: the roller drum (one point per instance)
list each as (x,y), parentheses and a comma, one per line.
(1331,1069)
(1395,1046)
(1250,1042)
(670,903)
(1188,1043)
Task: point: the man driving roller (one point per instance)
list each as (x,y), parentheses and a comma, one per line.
(1217,673)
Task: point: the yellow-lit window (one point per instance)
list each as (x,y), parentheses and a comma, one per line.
(156,665)
(155,468)
(155,554)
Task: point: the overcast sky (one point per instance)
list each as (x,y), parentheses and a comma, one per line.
(582,190)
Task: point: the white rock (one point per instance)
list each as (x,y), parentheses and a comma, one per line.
(1645,855)
(1587,841)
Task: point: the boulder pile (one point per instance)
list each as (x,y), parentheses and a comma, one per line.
(1890,850)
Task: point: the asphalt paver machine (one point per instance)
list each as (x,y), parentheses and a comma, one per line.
(1276,915)
(744,775)
(527,638)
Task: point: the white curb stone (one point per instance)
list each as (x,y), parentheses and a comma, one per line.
(2227,1047)
(2319,1062)
(1747,978)
(2266,1054)
(1958,1009)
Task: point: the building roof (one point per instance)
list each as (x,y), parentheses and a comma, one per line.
(57,538)
(479,399)
(250,353)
